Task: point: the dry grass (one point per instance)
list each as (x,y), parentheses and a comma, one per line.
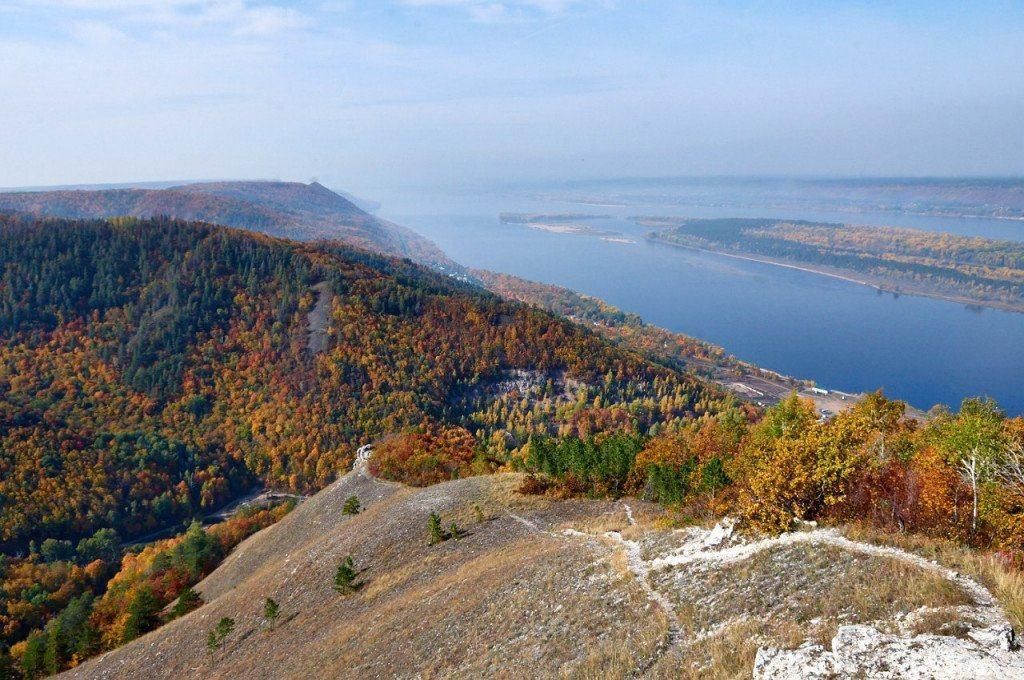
(790,595)
(512,600)
(728,654)
(1005,585)
(506,600)
(939,622)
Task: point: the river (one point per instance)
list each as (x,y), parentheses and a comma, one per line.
(840,334)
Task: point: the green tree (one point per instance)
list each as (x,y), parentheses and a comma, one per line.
(186,602)
(54,656)
(345,576)
(53,550)
(212,643)
(143,614)
(8,671)
(454,531)
(271,612)
(352,506)
(434,529)
(974,442)
(102,545)
(216,637)
(32,659)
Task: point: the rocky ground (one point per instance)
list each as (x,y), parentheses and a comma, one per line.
(542,588)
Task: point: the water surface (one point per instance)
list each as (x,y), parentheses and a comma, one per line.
(840,334)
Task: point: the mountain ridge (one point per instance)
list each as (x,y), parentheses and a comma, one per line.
(285,209)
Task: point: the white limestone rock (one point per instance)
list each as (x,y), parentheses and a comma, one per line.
(864,651)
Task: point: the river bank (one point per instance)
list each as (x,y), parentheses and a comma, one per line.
(878,283)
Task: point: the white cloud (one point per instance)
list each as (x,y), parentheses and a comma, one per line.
(492,10)
(234,17)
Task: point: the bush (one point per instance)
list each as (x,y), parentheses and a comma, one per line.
(420,458)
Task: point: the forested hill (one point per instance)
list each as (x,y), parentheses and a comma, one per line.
(152,368)
(286,209)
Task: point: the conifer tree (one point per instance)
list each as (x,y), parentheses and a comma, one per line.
(215,640)
(434,527)
(352,506)
(345,577)
(143,614)
(271,612)
(187,601)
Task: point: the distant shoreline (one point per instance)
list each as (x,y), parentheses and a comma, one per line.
(880,286)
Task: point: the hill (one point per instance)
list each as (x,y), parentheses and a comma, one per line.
(285,209)
(151,367)
(577,588)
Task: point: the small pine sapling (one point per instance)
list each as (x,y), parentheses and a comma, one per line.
(215,640)
(435,530)
(454,531)
(352,506)
(345,577)
(271,612)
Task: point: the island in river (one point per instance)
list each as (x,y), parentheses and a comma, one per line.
(971,270)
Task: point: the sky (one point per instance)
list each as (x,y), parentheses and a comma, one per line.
(368,95)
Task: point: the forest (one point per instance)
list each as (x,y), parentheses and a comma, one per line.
(151,370)
(956,475)
(624,328)
(902,260)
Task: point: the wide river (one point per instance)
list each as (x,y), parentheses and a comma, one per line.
(839,334)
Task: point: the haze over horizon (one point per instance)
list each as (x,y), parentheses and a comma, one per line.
(374,96)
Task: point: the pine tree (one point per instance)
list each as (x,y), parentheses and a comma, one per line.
(345,577)
(453,531)
(215,640)
(187,601)
(271,611)
(143,614)
(434,527)
(212,644)
(33,655)
(352,506)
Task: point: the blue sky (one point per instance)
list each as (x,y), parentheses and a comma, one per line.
(371,95)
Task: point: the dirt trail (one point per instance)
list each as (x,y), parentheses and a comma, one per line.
(718,546)
(699,552)
(319,317)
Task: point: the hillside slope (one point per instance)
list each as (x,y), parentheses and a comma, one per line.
(285,209)
(544,588)
(501,600)
(150,368)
